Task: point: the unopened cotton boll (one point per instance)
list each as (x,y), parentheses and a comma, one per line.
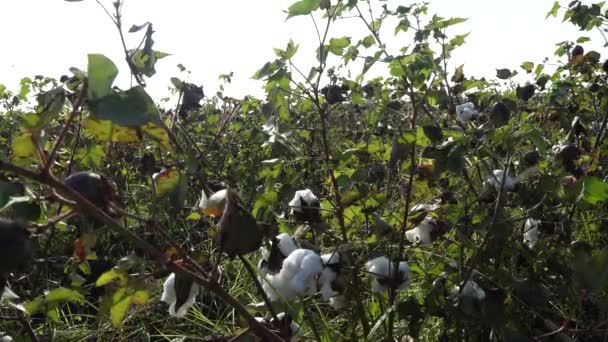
(531,232)
(331,262)
(421,234)
(466,112)
(169,296)
(297,276)
(471,289)
(382,272)
(495,180)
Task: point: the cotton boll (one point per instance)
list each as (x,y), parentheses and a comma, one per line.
(466,112)
(471,289)
(297,276)
(302,199)
(305,206)
(169,296)
(531,232)
(331,262)
(213,205)
(5,337)
(495,180)
(382,273)
(421,234)
(286,244)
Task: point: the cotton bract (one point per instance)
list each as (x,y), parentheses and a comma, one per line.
(169,296)
(382,273)
(297,276)
(531,232)
(466,112)
(294,328)
(421,234)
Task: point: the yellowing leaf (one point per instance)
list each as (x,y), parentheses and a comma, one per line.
(105,130)
(24,150)
(166,181)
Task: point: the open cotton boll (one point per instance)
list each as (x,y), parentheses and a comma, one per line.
(382,272)
(214,205)
(421,234)
(4,337)
(286,245)
(471,289)
(466,112)
(301,200)
(331,262)
(169,296)
(297,276)
(496,179)
(531,232)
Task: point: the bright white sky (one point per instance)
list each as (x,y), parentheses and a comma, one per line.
(215,37)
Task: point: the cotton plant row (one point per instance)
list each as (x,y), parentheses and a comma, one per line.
(287,272)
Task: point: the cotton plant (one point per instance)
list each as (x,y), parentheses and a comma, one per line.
(466,112)
(531,232)
(382,272)
(421,234)
(297,276)
(170,297)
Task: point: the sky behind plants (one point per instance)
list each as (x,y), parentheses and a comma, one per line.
(216,37)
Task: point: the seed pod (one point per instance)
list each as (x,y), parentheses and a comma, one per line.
(239,233)
(94,187)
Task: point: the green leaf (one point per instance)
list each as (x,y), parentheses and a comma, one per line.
(303,7)
(527,66)
(594,190)
(289,51)
(24,149)
(337,45)
(121,301)
(107,131)
(111,276)
(553,11)
(133,107)
(167,181)
(368,41)
(52,299)
(102,72)
(90,157)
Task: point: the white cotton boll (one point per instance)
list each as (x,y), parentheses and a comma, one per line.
(378,268)
(297,276)
(302,198)
(286,244)
(531,232)
(169,296)
(382,270)
(496,178)
(4,337)
(466,112)
(471,289)
(213,205)
(329,275)
(421,234)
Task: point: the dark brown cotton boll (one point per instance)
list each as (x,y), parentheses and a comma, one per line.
(94,187)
